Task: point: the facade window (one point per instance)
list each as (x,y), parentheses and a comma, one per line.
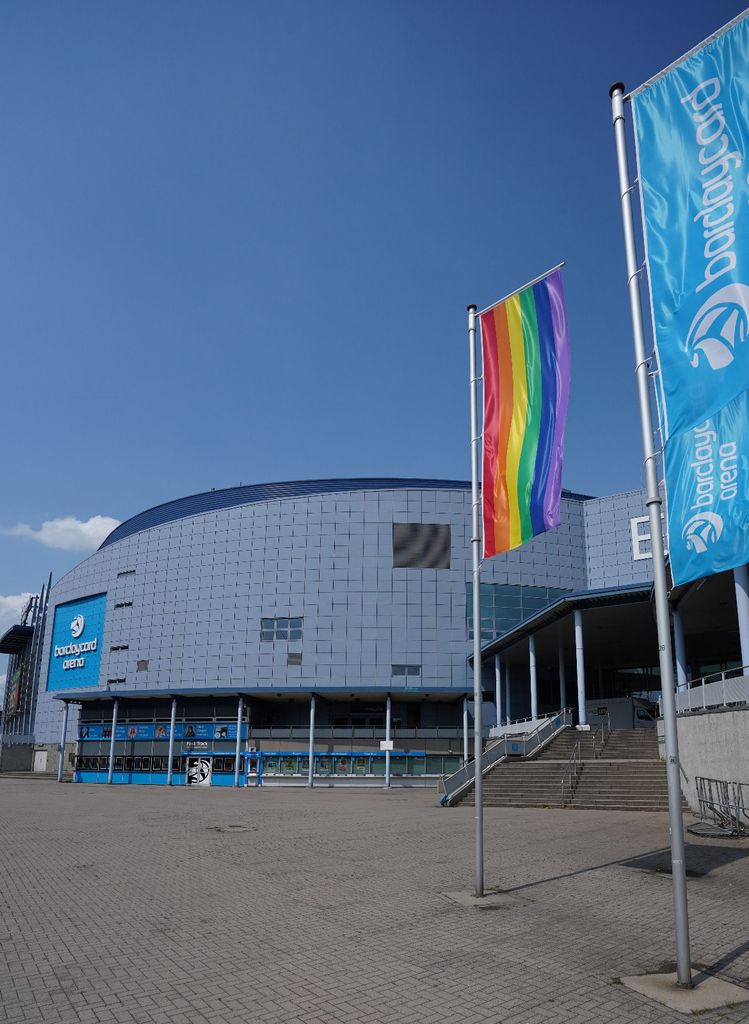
(126,572)
(123,604)
(421,546)
(142,665)
(406,670)
(294,658)
(281,629)
(116,682)
(119,647)
(504,606)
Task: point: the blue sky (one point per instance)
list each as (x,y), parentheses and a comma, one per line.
(240,237)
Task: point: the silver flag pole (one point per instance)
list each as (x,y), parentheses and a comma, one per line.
(476,553)
(654,503)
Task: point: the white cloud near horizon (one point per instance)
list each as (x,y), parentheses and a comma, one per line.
(67,533)
(11,607)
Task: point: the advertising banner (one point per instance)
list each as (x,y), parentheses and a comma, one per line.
(160,731)
(75,653)
(692,134)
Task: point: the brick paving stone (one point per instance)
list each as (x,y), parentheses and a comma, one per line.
(132,905)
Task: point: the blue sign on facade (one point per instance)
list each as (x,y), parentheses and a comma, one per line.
(160,731)
(77,634)
(692,126)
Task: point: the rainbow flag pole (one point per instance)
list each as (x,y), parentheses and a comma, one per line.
(526,390)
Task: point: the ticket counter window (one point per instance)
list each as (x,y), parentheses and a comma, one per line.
(157,764)
(175,763)
(378,765)
(103,763)
(399,765)
(450,764)
(343,765)
(119,763)
(270,765)
(129,764)
(416,765)
(361,766)
(324,765)
(218,764)
(145,764)
(304,765)
(288,765)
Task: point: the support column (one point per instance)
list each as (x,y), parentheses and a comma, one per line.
(388,737)
(465,730)
(741,583)
(61,757)
(580,664)
(172,727)
(238,748)
(115,709)
(508,698)
(562,680)
(311,758)
(498,688)
(680,649)
(534,683)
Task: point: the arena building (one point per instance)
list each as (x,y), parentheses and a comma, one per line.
(322,629)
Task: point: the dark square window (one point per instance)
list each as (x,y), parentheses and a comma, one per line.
(421,546)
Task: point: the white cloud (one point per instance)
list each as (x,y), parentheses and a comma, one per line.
(68,533)
(10,610)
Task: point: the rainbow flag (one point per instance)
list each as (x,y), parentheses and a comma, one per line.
(526,389)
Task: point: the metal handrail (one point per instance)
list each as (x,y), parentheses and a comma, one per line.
(727,673)
(571,772)
(599,742)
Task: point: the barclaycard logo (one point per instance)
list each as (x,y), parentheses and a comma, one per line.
(720,325)
(701,531)
(76,626)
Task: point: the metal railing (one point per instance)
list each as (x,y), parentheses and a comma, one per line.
(719,689)
(453,787)
(599,739)
(722,807)
(571,774)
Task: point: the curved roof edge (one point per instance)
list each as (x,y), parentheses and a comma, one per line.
(248,494)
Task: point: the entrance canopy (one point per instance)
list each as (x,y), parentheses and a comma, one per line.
(619,626)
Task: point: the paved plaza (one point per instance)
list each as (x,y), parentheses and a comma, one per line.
(145,905)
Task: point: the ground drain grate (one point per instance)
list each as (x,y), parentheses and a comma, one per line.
(231,828)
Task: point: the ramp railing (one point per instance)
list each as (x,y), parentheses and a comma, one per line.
(721,689)
(453,787)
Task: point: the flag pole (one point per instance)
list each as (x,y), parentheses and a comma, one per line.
(654,503)
(476,553)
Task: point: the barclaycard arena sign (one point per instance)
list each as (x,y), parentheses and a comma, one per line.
(692,129)
(75,654)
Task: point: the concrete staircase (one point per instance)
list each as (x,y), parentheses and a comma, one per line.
(627,775)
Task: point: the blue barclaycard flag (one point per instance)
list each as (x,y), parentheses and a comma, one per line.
(692,135)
